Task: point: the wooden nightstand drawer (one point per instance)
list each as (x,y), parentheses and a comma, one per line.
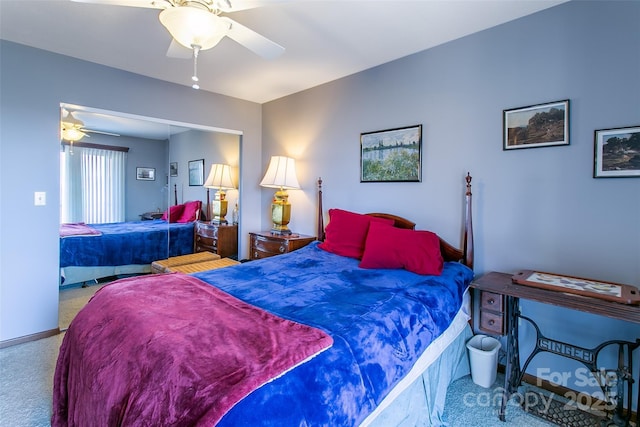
(207,230)
(491,301)
(270,246)
(265,244)
(206,241)
(491,322)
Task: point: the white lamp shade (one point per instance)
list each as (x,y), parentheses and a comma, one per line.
(191,26)
(281,174)
(219,177)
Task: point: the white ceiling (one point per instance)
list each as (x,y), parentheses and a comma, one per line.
(324,40)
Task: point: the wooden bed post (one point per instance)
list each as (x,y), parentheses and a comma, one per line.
(175,194)
(468,227)
(320,230)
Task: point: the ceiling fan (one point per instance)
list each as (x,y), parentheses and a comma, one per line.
(199,25)
(72,129)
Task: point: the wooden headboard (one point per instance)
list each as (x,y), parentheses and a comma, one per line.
(449,252)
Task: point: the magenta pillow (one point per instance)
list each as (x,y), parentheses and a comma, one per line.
(347,231)
(190,212)
(173,214)
(390,248)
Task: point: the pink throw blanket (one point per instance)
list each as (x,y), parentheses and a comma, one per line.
(77,229)
(170,350)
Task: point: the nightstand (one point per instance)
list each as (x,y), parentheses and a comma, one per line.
(221,239)
(148,216)
(265,244)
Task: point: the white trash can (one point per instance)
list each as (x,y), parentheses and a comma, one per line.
(483,357)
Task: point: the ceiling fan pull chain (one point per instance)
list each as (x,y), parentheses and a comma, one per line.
(196,50)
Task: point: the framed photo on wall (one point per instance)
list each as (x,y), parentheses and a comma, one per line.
(145,174)
(196,172)
(617,153)
(173,168)
(542,125)
(392,155)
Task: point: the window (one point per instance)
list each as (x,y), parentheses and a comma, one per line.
(92,185)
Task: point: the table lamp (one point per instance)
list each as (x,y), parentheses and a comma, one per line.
(281,174)
(219,178)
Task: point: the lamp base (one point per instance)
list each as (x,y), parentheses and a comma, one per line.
(280,230)
(219,209)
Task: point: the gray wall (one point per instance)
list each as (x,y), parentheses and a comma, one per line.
(212,147)
(533,208)
(33,83)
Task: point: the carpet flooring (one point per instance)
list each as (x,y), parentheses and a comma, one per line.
(26,381)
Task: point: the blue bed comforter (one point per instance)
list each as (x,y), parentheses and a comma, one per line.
(124,243)
(380,320)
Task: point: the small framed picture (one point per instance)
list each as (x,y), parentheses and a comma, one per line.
(173,168)
(617,153)
(146,174)
(542,125)
(392,155)
(196,172)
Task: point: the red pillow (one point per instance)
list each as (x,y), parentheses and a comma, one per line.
(347,231)
(190,212)
(173,213)
(390,247)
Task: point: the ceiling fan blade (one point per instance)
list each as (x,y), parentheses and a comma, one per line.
(150,4)
(253,41)
(228,6)
(176,50)
(100,132)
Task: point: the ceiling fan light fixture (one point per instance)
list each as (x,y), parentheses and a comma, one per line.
(191,26)
(72,134)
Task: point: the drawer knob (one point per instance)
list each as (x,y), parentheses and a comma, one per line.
(281,249)
(491,301)
(255,254)
(492,322)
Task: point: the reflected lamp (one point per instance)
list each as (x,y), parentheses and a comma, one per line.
(220,179)
(281,174)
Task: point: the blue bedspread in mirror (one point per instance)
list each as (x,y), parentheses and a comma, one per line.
(381,321)
(124,243)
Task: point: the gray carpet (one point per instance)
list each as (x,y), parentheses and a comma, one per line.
(26,378)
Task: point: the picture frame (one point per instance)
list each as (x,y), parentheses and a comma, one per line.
(173,168)
(196,172)
(610,291)
(145,174)
(616,152)
(541,125)
(392,155)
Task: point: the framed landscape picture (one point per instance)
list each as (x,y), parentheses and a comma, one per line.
(145,174)
(541,125)
(392,155)
(617,153)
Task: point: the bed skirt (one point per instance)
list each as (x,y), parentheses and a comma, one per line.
(70,276)
(418,400)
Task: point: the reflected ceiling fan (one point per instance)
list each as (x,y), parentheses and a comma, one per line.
(199,25)
(72,129)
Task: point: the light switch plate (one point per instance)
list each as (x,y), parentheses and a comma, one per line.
(40,198)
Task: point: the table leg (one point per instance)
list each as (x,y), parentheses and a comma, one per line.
(512,369)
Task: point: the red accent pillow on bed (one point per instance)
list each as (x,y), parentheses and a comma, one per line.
(190,212)
(390,248)
(347,231)
(174,213)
